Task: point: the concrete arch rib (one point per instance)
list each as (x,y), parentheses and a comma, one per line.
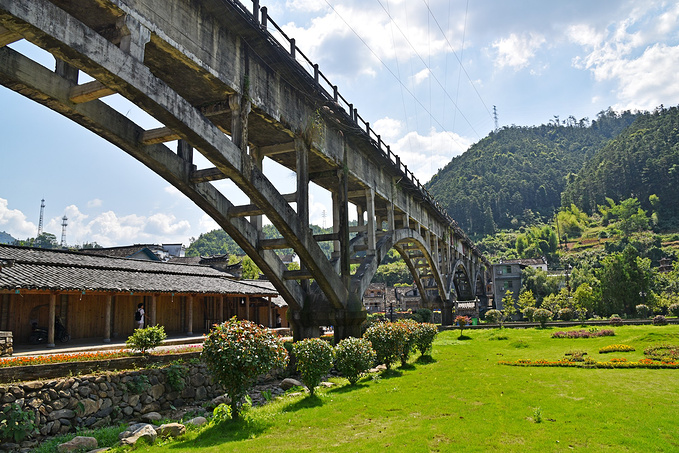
(47,88)
(398,239)
(461,281)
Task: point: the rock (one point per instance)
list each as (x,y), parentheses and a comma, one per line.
(63,413)
(198,421)
(142,431)
(288,383)
(134,400)
(157,391)
(295,394)
(88,407)
(34,385)
(222,399)
(327,384)
(378,368)
(56,426)
(197,380)
(151,417)
(84,391)
(153,407)
(78,443)
(201,393)
(128,410)
(60,404)
(171,430)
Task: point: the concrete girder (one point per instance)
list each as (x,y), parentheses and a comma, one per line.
(51,28)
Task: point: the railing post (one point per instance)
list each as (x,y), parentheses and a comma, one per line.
(292,47)
(334,92)
(367,127)
(255,10)
(265,17)
(351,111)
(316,72)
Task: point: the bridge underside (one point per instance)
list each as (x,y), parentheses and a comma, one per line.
(214,78)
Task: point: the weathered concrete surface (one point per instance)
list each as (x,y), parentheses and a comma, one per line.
(209,72)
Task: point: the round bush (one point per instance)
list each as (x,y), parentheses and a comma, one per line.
(542,316)
(388,340)
(237,352)
(494,316)
(565,314)
(148,338)
(314,360)
(615,320)
(659,320)
(409,326)
(529,313)
(425,334)
(353,357)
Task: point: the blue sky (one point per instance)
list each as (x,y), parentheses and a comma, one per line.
(425,73)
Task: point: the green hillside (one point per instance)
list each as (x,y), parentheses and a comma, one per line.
(517,174)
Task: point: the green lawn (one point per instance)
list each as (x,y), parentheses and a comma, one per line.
(464,401)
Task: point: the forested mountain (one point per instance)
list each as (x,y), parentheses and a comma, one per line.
(516,175)
(642,161)
(6,238)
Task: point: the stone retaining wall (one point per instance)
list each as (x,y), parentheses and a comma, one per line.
(62,405)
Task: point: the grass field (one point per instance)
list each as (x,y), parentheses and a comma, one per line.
(462,400)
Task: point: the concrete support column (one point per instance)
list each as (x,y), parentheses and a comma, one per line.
(185,151)
(359,214)
(240,109)
(391,224)
(302,170)
(343,215)
(134,36)
(189,315)
(108,308)
(50,320)
(154,304)
(66,71)
(335,225)
(257,161)
(370,203)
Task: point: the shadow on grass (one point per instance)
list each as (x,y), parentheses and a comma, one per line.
(220,433)
(407,366)
(349,388)
(305,403)
(425,360)
(390,373)
(464,338)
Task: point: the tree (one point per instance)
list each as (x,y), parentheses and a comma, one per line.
(353,357)
(314,359)
(508,305)
(526,299)
(625,281)
(250,269)
(237,352)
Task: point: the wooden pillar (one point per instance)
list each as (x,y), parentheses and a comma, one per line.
(107,318)
(221,309)
(270,313)
(189,315)
(247,307)
(154,303)
(51,319)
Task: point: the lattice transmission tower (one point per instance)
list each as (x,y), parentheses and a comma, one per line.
(42,212)
(64,224)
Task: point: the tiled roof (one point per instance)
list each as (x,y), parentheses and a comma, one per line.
(66,271)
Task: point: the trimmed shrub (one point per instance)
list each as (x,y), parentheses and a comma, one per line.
(387,339)
(353,357)
(542,316)
(565,314)
(494,316)
(425,334)
(674,309)
(616,348)
(422,315)
(408,326)
(529,313)
(584,333)
(314,359)
(462,322)
(659,320)
(237,352)
(148,338)
(642,311)
(615,320)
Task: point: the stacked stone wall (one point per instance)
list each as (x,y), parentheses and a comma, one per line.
(62,405)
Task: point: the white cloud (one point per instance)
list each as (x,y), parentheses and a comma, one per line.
(421,76)
(172,190)
(207,223)
(388,128)
(14,222)
(517,51)
(95,203)
(306,5)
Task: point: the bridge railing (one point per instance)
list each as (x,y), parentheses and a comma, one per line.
(330,91)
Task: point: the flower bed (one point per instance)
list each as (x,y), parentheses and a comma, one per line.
(589,363)
(584,333)
(616,348)
(663,352)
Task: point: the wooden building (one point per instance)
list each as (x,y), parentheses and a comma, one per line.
(96,296)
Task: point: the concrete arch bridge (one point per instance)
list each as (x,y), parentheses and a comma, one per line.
(221,84)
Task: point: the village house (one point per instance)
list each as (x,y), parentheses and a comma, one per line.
(507,277)
(95,296)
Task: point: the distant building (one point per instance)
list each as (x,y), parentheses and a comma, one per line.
(150,252)
(374,297)
(507,277)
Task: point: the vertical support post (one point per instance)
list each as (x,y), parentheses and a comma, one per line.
(108,308)
(185,151)
(50,320)
(370,202)
(391,223)
(359,214)
(255,10)
(265,17)
(257,160)
(247,307)
(135,36)
(154,303)
(189,315)
(66,71)
(316,72)
(343,202)
(335,224)
(302,170)
(221,309)
(293,49)
(270,313)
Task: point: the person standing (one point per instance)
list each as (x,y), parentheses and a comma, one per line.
(139,316)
